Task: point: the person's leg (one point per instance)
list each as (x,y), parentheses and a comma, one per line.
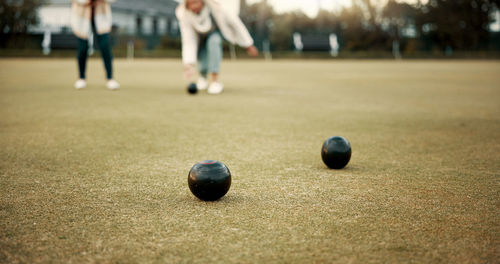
(203,58)
(202,82)
(82,55)
(103,41)
(214,48)
(107,55)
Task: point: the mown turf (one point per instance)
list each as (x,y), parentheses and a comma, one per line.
(101,176)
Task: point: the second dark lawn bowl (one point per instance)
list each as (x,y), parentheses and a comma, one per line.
(209,180)
(336,152)
(192,88)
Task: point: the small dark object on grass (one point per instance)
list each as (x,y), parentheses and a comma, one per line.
(209,180)
(192,89)
(336,152)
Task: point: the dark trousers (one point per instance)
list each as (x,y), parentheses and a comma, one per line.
(104,46)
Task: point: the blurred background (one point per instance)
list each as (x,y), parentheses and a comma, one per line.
(281,28)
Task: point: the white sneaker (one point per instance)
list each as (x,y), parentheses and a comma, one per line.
(202,83)
(80,84)
(215,88)
(113,85)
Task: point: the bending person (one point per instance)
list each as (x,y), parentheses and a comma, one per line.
(202,22)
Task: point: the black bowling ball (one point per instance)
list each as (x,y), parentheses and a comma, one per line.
(336,152)
(209,180)
(192,89)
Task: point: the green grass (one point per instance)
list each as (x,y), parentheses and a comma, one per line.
(101,176)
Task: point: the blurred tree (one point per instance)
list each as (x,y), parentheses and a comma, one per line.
(289,23)
(457,24)
(258,18)
(397,17)
(16,16)
(376,24)
(353,27)
(281,37)
(327,22)
(361,27)
(398,20)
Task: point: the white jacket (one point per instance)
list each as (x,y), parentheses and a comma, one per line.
(231,27)
(80,17)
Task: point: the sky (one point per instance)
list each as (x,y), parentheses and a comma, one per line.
(310,7)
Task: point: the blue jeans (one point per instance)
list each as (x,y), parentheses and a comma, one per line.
(210,53)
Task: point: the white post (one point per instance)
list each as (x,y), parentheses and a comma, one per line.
(297,42)
(46,42)
(232,51)
(130,50)
(266,49)
(334,45)
(395,49)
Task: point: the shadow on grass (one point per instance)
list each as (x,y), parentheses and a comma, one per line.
(228,199)
(348,168)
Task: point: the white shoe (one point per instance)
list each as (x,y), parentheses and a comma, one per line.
(113,85)
(215,88)
(80,84)
(202,84)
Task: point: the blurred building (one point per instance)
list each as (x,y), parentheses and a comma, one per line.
(130,17)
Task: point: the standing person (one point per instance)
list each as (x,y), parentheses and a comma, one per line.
(95,16)
(202,22)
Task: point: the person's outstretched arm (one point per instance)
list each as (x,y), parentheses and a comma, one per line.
(189,40)
(242,37)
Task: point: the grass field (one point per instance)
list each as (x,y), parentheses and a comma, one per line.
(101,176)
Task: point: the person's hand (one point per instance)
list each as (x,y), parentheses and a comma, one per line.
(252,51)
(188,71)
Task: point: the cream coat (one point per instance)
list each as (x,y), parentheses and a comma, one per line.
(229,25)
(80,18)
